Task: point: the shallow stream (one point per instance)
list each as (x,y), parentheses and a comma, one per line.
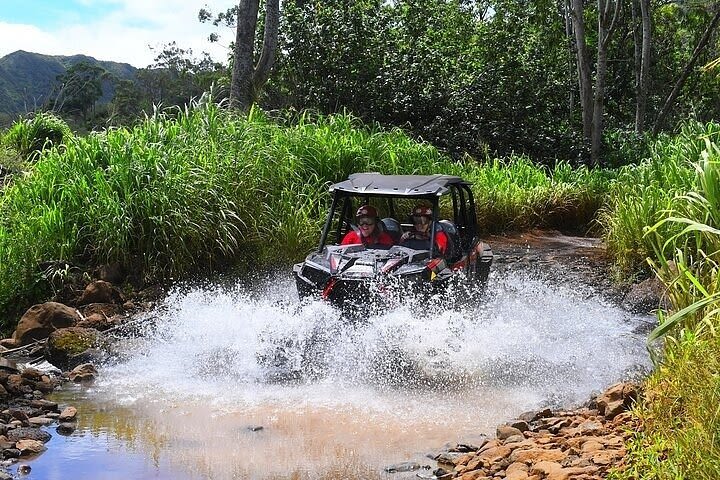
(235,382)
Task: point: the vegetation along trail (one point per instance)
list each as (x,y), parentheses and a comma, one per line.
(246,382)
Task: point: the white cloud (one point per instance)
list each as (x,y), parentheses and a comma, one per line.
(125,33)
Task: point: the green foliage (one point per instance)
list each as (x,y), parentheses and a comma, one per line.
(680,408)
(644,194)
(189,191)
(679,414)
(79,87)
(457,74)
(32,135)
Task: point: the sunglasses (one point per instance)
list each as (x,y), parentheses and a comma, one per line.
(366,221)
(420,219)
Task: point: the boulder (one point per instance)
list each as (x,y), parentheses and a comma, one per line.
(68,414)
(42,319)
(28,433)
(83,373)
(65,347)
(30,447)
(617,399)
(112,273)
(100,291)
(645,296)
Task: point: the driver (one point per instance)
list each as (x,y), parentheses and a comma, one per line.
(368,234)
(419,237)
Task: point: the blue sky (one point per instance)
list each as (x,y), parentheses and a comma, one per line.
(119,30)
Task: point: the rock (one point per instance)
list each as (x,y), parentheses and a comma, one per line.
(506,431)
(406,467)
(449,458)
(83,373)
(30,447)
(617,399)
(112,273)
(65,346)
(69,414)
(514,439)
(24,469)
(47,405)
(42,319)
(6,476)
(646,296)
(65,428)
(96,321)
(11,453)
(41,421)
(100,291)
(28,433)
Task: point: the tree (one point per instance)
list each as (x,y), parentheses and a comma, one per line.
(688,69)
(79,88)
(247,77)
(643,46)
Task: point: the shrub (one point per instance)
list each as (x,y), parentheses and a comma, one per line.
(32,135)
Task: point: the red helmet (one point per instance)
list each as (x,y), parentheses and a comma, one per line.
(422,211)
(366,211)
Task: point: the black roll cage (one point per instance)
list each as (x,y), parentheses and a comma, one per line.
(463,206)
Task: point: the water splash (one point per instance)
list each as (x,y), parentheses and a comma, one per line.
(547,341)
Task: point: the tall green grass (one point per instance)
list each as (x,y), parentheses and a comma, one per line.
(643,194)
(190,190)
(680,413)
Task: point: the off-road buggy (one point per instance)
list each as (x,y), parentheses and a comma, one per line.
(350,275)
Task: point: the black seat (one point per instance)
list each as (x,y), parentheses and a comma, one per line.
(392,227)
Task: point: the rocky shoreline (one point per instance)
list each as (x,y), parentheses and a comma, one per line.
(582,444)
(49,337)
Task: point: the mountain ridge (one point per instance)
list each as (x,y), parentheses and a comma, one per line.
(27,78)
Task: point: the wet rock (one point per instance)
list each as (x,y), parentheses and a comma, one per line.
(46,405)
(40,421)
(28,433)
(11,453)
(65,428)
(406,467)
(69,414)
(66,346)
(617,399)
(30,447)
(646,296)
(561,445)
(24,469)
(505,431)
(84,373)
(42,319)
(101,291)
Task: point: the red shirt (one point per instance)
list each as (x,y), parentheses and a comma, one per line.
(353,237)
(441,240)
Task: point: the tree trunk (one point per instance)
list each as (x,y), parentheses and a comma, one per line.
(686,72)
(644,67)
(572,66)
(606,27)
(247,79)
(583,65)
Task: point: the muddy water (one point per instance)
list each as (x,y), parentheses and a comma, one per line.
(235,382)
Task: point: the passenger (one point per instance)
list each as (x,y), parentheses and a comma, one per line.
(419,237)
(369,234)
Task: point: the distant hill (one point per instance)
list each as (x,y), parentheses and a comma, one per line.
(27,79)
